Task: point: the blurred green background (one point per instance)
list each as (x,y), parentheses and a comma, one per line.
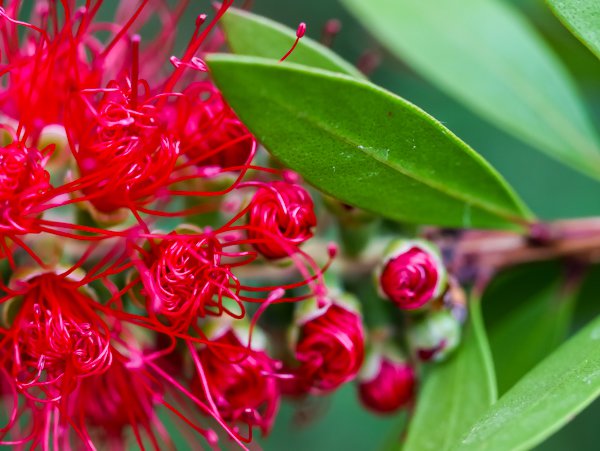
(551,190)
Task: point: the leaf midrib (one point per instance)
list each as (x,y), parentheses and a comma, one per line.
(364,149)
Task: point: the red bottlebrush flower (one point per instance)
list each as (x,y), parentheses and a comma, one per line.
(208,130)
(131,394)
(125,157)
(240,382)
(57,339)
(23,183)
(387,384)
(330,350)
(186,280)
(55,59)
(280,218)
(412,274)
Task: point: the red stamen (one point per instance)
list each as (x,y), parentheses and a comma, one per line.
(300,31)
(135,69)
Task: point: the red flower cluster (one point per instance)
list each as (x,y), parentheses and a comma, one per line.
(131,218)
(141,244)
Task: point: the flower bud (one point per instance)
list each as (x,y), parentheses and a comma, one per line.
(280,218)
(412,274)
(329,349)
(434,336)
(386,383)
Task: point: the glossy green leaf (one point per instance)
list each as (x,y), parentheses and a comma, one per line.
(532,331)
(455,393)
(364,145)
(582,17)
(487,56)
(252,35)
(544,400)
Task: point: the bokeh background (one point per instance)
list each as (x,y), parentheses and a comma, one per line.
(551,190)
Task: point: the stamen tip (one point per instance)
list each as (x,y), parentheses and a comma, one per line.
(212,438)
(301,30)
(200,19)
(291,176)
(276,294)
(332,249)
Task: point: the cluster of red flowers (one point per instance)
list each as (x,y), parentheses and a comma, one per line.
(131,216)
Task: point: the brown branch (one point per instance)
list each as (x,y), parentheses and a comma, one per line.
(486,252)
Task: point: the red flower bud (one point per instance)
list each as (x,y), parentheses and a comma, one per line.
(281,217)
(330,349)
(239,382)
(411,275)
(387,384)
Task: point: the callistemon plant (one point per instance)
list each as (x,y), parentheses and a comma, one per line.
(193,235)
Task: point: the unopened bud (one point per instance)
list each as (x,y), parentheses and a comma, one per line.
(434,336)
(412,274)
(386,383)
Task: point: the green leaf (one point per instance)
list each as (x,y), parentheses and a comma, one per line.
(485,54)
(252,35)
(582,18)
(500,297)
(544,400)
(365,146)
(456,393)
(531,331)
